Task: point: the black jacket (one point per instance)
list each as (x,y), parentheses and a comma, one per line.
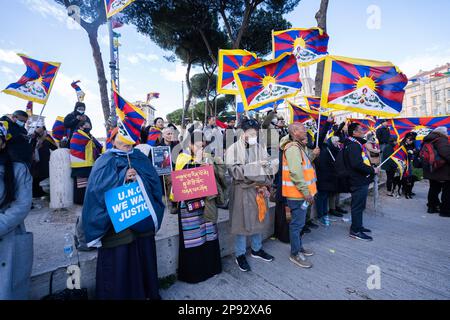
(325,164)
(326,168)
(383,135)
(18,147)
(390,164)
(360,173)
(71,122)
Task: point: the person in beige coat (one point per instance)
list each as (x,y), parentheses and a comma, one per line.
(252,172)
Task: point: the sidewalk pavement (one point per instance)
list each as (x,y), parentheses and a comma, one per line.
(411,248)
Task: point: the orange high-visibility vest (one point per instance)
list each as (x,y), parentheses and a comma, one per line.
(289,190)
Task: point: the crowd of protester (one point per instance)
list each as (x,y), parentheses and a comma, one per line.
(253,163)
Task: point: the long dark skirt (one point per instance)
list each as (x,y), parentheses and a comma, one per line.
(128,272)
(281,223)
(199,249)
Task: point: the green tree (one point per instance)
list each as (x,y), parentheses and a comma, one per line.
(175,116)
(180,26)
(91,16)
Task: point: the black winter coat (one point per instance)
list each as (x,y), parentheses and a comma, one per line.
(360,173)
(326,168)
(383,134)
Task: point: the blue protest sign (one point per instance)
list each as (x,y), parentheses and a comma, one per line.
(126,206)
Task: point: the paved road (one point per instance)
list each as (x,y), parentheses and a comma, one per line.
(411,248)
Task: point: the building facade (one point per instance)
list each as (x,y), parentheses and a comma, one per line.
(429,96)
(149,111)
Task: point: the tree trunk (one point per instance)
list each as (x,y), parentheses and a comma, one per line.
(321,17)
(102,83)
(189,97)
(208,84)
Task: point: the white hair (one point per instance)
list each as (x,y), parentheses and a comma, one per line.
(441,130)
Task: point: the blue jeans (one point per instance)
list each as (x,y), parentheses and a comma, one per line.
(296,225)
(240,243)
(322,203)
(359,199)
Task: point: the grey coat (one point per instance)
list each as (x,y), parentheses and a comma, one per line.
(16,245)
(247,172)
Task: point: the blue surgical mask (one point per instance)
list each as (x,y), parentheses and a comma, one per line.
(20,123)
(80,111)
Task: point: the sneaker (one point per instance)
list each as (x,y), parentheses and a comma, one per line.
(365,230)
(333,219)
(300,260)
(335,213)
(312,225)
(390,194)
(307,252)
(340,210)
(241,261)
(360,236)
(261,254)
(325,221)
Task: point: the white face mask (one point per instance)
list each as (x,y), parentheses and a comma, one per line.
(252,141)
(80,111)
(20,123)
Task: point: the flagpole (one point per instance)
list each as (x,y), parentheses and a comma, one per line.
(389,157)
(318,127)
(112,66)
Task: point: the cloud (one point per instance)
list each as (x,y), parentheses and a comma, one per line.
(47,9)
(429,60)
(10,56)
(139,57)
(6,70)
(176,75)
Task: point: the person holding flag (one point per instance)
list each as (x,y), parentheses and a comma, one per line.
(72,120)
(84,150)
(361,174)
(152,135)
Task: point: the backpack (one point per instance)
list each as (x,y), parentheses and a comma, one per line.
(342,171)
(429,156)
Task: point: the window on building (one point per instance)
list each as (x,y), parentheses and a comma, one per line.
(414,112)
(437,95)
(448,107)
(414,101)
(448,93)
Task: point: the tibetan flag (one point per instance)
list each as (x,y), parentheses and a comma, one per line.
(309,46)
(268,81)
(309,118)
(229,61)
(115,6)
(364,86)
(58,129)
(30,108)
(36,83)
(302,113)
(312,103)
(400,157)
(130,119)
(422,126)
(153,135)
(117,21)
(51,140)
(365,123)
(152,95)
